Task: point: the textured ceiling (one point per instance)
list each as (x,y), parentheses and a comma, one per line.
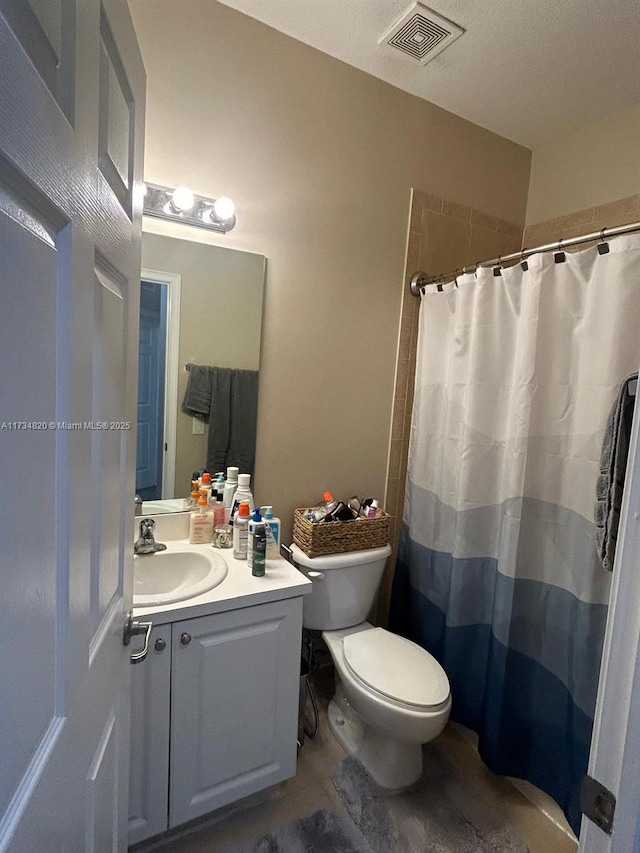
(527,69)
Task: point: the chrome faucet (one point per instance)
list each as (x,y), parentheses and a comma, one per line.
(146,543)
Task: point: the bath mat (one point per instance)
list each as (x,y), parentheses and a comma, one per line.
(322,832)
(444,812)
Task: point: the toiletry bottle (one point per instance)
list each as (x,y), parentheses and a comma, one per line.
(207,485)
(255,519)
(259,550)
(273,533)
(218,512)
(240,531)
(328,501)
(195,494)
(322,509)
(243,492)
(372,509)
(195,483)
(201,522)
(230,487)
(218,484)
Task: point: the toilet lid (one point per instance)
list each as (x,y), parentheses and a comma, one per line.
(396,668)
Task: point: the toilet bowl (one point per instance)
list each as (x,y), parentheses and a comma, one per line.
(391,695)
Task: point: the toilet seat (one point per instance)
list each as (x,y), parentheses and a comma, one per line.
(396,668)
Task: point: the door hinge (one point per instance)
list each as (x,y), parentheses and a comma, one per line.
(597,803)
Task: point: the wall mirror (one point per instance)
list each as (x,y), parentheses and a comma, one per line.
(199,305)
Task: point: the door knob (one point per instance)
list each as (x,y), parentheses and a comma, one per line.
(185,638)
(132,628)
(160,645)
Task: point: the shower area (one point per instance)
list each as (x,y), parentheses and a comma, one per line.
(508,379)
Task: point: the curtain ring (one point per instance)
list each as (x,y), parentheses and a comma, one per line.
(603,246)
(524,264)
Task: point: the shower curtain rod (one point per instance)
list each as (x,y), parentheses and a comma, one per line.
(421,279)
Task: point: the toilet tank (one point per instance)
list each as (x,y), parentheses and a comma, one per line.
(344,586)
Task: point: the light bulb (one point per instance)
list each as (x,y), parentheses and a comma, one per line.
(224,209)
(182,199)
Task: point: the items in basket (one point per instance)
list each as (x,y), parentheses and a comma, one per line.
(330,509)
(318,538)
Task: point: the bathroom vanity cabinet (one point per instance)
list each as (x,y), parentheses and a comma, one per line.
(214,713)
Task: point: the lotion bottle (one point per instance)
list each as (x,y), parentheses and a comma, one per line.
(201,522)
(230,487)
(273,532)
(243,492)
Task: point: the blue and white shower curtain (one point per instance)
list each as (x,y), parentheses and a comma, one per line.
(497,572)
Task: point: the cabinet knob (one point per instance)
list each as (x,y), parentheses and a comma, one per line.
(185,638)
(160,644)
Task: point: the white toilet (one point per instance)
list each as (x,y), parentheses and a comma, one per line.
(391,695)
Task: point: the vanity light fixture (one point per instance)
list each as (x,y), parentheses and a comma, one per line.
(182,205)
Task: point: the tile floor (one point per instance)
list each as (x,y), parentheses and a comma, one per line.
(311,789)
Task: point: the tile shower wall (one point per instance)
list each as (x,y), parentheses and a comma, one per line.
(619,212)
(444,236)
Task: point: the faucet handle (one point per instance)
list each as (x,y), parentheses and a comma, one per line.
(147,526)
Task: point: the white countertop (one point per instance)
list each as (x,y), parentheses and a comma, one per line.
(238,589)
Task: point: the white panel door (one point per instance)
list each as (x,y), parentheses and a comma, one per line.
(71,120)
(614,761)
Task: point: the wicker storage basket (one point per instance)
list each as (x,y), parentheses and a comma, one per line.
(319,538)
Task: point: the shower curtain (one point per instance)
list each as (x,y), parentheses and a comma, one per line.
(497,573)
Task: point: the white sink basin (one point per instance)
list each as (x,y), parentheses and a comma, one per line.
(182,571)
(156,507)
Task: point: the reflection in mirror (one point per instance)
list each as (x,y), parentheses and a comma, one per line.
(200,305)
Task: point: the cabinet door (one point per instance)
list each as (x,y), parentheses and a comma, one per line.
(235,680)
(149,759)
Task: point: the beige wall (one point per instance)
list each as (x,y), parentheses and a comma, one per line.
(597,164)
(320,159)
(221,299)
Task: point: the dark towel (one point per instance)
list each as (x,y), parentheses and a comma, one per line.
(613,466)
(197,399)
(228,398)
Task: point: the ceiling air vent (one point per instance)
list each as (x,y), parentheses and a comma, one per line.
(421,33)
